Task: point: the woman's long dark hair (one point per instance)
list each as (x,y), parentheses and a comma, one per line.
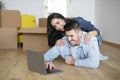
(53,34)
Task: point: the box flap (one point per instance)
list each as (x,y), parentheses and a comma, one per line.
(42,30)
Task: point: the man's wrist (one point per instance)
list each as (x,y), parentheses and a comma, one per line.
(49,62)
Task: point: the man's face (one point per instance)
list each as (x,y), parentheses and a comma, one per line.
(73,37)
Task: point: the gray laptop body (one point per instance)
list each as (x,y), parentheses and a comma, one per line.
(36,62)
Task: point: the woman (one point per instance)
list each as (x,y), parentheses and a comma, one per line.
(55,29)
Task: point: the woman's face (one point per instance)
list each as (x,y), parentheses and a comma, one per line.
(58,24)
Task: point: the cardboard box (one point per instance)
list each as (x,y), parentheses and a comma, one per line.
(35,39)
(10,18)
(8,38)
(42,22)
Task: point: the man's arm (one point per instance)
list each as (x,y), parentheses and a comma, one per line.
(50,55)
(93,60)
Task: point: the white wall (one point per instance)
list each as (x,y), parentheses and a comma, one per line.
(31,7)
(107,14)
(104,13)
(83,8)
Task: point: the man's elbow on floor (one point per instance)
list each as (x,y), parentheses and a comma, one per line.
(94,66)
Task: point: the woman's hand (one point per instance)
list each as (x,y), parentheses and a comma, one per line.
(89,35)
(59,42)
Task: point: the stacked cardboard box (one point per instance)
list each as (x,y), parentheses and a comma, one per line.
(27,21)
(8,38)
(35,39)
(10,18)
(9,22)
(42,22)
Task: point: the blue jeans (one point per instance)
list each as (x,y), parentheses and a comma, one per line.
(99,37)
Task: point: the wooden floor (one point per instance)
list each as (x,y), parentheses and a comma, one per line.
(13,66)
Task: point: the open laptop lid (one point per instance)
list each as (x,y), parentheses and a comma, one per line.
(36,61)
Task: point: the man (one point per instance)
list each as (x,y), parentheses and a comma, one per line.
(75,51)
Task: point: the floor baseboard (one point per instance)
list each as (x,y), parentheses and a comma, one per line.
(112,44)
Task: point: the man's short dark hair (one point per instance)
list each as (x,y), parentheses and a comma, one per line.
(72,24)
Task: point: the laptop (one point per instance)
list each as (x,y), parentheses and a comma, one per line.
(36,63)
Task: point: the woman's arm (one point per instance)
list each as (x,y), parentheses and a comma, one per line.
(86,25)
(90,34)
(89,28)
